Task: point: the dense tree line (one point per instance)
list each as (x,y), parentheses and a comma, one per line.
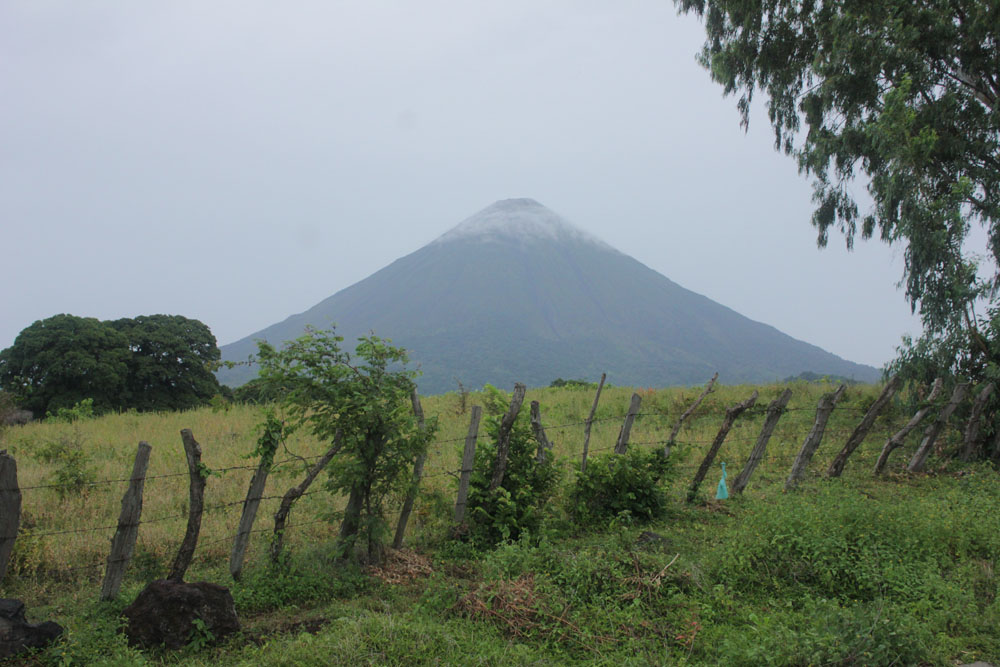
(150,362)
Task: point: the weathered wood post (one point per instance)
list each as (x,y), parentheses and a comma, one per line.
(503,436)
(468,458)
(897,439)
(590,422)
(196,495)
(621,446)
(687,413)
(123,543)
(418,472)
(10,508)
(250,506)
(732,413)
(934,430)
(861,430)
(774,411)
(544,445)
(815,437)
(970,440)
(294,493)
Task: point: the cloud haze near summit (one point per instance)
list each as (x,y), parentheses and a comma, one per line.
(237,162)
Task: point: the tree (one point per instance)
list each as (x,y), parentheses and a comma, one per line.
(362,401)
(170,362)
(903,94)
(62,360)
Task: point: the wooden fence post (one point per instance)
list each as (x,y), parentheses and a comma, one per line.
(861,431)
(10,508)
(774,412)
(971,437)
(897,440)
(815,437)
(196,494)
(503,436)
(934,430)
(418,472)
(623,435)
(590,422)
(123,543)
(544,445)
(294,493)
(731,414)
(248,516)
(687,413)
(468,458)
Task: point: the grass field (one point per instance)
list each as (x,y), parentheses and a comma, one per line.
(847,571)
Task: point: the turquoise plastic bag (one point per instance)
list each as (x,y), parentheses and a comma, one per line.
(722,493)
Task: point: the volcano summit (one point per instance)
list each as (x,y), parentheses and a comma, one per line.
(517,293)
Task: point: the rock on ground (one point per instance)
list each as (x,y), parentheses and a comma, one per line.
(17,635)
(165,611)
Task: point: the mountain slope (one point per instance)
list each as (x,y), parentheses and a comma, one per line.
(515,293)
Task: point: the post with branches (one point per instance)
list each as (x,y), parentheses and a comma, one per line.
(934,430)
(544,445)
(468,458)
(809,446)
(294,493)
(590,422)
(196,494)
(503,436)
(732,413)
(862,429)
(418,472)
(123,543)
(897,439)
(774,412)
(250,507)
(687,413)
(970,440)
(10,508)
(621,446)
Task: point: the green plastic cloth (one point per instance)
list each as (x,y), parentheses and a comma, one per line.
(722,493)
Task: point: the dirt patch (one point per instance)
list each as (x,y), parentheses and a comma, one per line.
(402,567)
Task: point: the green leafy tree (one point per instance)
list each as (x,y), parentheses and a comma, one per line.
(170,364)
(901,94)
(361,401)
(60,361)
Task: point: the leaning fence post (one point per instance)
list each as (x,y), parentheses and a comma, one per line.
(294,493)
(897,440)
(468,458)
(774,412)
(687,413)
(544,445)
(731,414)
(250,506)
(503,436)
(815,437)
(858,436)
(10,508)
(123,543)
(196,493)
(418,471)
(590,422)
(971,437)
(633,409)
(934,430)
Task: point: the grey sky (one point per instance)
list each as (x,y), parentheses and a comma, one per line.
(237,162)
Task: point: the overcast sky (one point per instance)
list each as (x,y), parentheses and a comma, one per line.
(237,162)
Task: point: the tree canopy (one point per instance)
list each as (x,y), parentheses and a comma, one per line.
(901,96)
(155,362)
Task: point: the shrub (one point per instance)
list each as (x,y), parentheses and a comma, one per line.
(620,483)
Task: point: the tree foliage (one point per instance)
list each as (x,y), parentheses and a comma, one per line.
(902,95)
(155,362)
(362,401)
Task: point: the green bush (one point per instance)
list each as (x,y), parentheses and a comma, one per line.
(617,484)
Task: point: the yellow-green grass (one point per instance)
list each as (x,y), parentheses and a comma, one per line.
(48,550)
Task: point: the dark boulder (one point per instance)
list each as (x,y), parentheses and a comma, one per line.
(165,611)
(17,635)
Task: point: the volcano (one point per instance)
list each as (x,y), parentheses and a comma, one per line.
(516,293)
